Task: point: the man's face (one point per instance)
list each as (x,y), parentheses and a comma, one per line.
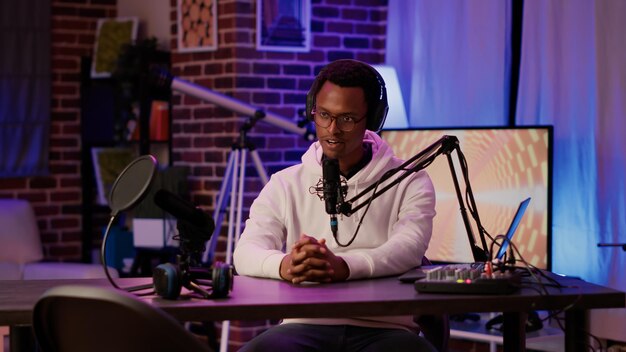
(338,101)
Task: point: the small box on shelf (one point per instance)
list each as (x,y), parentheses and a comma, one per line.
(154,233)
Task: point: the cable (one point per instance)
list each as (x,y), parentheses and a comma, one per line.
(103,258)
(595,339)
(369,202)
(537,284)
(383,178)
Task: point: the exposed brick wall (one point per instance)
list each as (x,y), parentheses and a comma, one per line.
(273,81)
(202,133)
(57,197)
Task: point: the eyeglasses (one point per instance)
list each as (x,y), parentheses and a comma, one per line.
(345,123)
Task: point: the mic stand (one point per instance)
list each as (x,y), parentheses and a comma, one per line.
(445,145)
(187,274)
(192,244)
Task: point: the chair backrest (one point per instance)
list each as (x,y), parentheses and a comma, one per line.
(18,227)
(86,318)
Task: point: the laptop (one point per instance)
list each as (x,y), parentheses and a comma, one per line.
(418,273)
(521,209)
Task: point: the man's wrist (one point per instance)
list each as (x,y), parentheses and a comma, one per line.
(342,271)
(283,270)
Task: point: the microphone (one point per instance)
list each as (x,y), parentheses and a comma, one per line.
(331,189)
(195,228)
(184,210)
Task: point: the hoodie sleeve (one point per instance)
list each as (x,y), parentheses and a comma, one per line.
(259,250)
(410,232)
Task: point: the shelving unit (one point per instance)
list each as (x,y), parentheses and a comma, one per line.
(102,103)
(546,339)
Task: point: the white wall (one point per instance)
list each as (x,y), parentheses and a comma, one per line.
(154,18)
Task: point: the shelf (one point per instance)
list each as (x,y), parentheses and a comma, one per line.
(107,114)
(546,339)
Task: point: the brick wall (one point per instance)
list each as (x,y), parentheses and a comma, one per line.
(202,133)
(273,81)
(57,197)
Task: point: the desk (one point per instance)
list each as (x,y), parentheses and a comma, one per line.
(258,299)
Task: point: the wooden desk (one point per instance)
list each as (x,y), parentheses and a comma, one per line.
(257,299)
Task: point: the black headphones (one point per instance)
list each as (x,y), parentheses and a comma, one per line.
(533,322)
(169,279)
(375,119)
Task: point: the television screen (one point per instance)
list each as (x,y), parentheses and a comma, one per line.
(506,165)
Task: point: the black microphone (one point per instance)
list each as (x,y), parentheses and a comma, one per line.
(331,189)
(184,210)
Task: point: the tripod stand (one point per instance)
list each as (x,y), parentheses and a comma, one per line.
(232,189)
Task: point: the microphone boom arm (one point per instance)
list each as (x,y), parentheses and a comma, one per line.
(445,145)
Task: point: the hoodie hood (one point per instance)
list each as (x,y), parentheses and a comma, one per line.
(382,157)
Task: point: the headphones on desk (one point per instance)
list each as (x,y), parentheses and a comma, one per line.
(375,118)
(169,279)
(533,322)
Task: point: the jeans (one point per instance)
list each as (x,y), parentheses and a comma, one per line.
(345,338)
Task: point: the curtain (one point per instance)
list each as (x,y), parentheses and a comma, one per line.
(572,76)
(25,77)
(452,60)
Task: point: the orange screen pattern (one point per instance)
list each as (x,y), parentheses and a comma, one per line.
(505,167)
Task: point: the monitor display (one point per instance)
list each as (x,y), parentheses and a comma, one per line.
(506,165)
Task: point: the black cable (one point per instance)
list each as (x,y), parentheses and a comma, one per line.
(369,202)
(543,291)
(103,249)
(384,177)
(538,283)
(595,339)
(103,259)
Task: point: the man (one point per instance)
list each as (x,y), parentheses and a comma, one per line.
(288,235)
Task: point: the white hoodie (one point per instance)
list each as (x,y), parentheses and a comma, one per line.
(392,239)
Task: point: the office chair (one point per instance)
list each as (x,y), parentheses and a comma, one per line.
(435,328)
(85,318)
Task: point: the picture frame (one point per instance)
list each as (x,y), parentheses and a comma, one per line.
(196,25)
(111,35)
(108,163)
(283,25)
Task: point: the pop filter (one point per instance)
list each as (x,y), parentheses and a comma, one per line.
(132,184)
(129,188)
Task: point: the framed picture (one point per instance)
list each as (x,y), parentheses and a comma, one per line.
(283,25)
(108,163)
(197,25)
(111,35)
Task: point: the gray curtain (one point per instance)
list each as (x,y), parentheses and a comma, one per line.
(25,79)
